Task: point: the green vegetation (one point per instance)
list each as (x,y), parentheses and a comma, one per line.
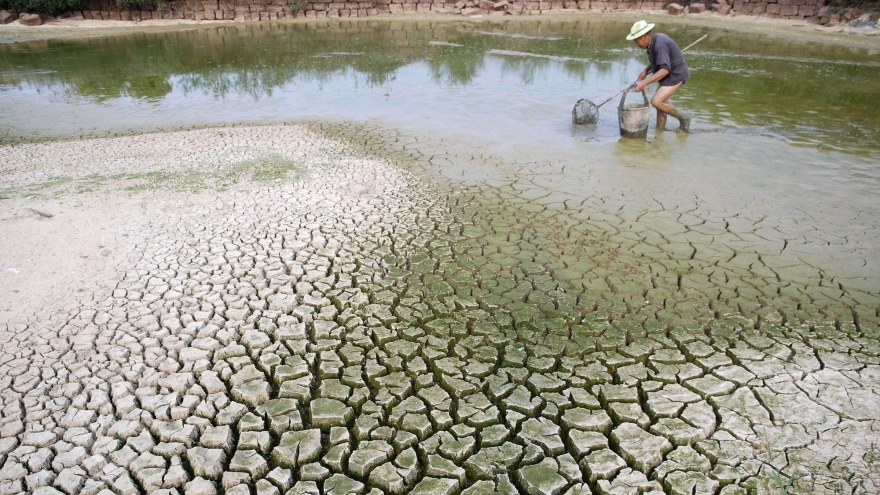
(51,7)
(783,482)
(140,4)
(864,5)
(57,7)
(265,169)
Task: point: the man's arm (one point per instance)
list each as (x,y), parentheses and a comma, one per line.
(643,82)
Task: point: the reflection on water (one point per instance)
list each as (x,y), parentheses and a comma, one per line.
(522,76)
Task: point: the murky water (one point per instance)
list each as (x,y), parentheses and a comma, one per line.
(490,79)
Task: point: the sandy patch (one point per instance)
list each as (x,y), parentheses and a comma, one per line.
(76,210)
(55,251)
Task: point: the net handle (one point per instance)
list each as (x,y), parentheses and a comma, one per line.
(615,95)
(694,43)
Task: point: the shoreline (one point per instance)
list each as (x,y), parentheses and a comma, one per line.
(787,28)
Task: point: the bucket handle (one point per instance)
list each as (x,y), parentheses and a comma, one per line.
(623,98)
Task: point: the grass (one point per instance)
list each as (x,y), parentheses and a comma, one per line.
(784,482)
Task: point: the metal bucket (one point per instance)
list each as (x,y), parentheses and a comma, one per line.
(634,117)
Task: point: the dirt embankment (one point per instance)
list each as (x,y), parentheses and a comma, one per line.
(842,34)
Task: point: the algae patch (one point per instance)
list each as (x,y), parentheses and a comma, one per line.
(267,168)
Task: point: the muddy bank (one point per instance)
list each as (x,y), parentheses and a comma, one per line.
(785,28)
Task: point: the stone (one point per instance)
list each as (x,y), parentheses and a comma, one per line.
(249,461)
(327,413)
(314,471)
(264,487)
(493,436)
(260,441)
(252,393)
(709,386)
(685,482)
(441,467)
(297,448)
(581,443)
(491,461)
(339,484)
(43,490)
(602,464)
(77,417)
(206,463)
(251,422)
(6,17)
(282,478)
(641,449)
(336,457)
(586,420)
(40,479)
(674,9)
(39,438)
(436,486)
(30,19)
(368,456)
(544,433)
(71,480)
(217,437)
(388,479)
(458,450)
(541,479)
(71,458)
(200,486)
(630,481)
(231,479)
(483,487)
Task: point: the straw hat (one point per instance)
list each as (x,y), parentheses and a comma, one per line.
(639,29)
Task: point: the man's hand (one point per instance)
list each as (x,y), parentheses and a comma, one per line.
(641,85)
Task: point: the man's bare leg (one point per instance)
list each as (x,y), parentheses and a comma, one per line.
(661,103)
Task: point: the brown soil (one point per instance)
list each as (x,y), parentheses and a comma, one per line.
(841,35)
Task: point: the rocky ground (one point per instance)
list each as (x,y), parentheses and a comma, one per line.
(279,312)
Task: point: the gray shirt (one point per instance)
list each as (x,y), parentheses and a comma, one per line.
(663,53)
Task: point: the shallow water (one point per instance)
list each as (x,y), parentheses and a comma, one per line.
(489,79)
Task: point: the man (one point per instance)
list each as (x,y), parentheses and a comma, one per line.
(667,66)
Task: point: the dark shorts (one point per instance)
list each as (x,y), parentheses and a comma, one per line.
(667,81)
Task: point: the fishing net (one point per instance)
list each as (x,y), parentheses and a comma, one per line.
(585,112)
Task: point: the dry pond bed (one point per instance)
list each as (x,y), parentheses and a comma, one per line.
(311,308)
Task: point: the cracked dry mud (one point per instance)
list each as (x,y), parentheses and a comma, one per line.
(364,327)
